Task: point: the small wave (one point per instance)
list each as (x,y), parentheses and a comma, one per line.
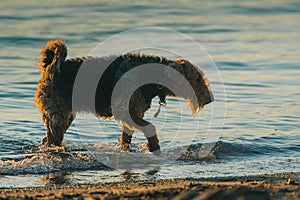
(264,11)
(40,160)
(103,156)
(225,150)
(218,151)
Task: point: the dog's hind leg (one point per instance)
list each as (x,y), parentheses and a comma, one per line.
(56,125)
(125,139)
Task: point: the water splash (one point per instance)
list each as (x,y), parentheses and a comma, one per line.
(40,159)
(102,156)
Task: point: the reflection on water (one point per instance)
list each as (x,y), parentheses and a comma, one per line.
(254,44)
(58,178)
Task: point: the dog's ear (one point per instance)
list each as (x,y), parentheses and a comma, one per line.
(47,58)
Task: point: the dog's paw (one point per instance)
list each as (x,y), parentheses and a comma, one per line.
(44,141)
(153,145)
(157,152)
(155,149)
(125,147)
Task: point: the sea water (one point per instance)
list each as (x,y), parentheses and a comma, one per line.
(255,45)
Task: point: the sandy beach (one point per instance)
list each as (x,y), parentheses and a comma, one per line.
(280,186)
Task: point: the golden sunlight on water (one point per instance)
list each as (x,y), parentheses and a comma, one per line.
(254,44)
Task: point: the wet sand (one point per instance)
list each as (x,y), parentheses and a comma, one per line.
(280,186)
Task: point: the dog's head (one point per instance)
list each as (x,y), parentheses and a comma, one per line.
(199,93)
(51,56)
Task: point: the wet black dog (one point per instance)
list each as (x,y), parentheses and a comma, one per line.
(55,90)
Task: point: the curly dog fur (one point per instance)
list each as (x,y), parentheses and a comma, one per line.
(55,88)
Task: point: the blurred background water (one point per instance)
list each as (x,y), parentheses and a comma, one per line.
(256,46)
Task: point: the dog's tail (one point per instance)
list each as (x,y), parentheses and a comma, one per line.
(51,56)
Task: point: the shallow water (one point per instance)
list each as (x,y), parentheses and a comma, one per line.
(255,45)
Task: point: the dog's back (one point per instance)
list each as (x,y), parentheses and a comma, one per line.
(61,74)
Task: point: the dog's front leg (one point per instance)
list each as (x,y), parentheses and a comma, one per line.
(150,133)
(125,139)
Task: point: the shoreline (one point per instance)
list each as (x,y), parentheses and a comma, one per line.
(278,186)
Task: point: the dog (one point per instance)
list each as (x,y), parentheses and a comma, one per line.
(54,94)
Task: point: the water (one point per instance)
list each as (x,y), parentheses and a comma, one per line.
(254,44)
